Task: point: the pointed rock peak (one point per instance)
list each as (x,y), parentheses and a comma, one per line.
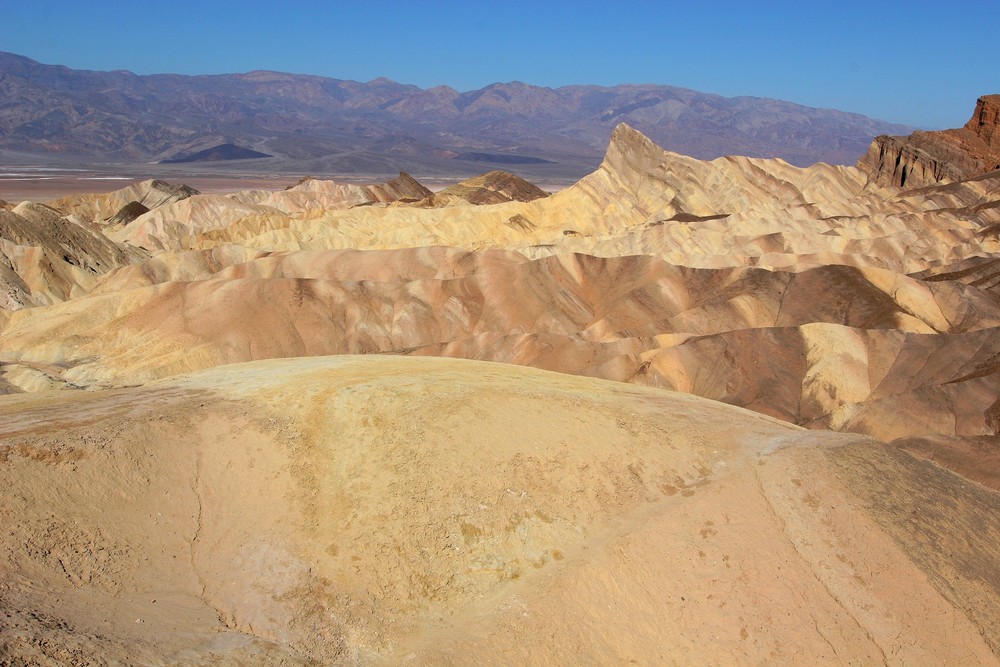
(630,150)
(405,186)
(626,136)
(986,120)
(625,139)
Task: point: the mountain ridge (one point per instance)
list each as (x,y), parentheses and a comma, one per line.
(383,127)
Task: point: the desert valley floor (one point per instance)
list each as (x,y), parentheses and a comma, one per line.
(678,412)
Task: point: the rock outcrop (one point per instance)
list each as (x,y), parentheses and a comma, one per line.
(318,194)
(495,187)
(928,158)
(101,208)
(45,258)
(985,121)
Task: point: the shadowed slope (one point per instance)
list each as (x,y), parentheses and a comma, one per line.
(45,258)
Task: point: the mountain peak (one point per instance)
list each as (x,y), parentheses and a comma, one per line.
(627,136)
(630,150)
(494,187)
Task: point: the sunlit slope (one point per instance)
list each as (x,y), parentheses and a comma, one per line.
(381,510)
(731,211)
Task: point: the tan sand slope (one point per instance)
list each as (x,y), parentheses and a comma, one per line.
(401,509)
(427,511)
(731,211)
(313,193)
(834,347)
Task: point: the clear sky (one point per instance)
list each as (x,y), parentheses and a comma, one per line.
(918,62)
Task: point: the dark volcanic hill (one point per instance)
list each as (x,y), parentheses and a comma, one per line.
(219,153)
(382,126)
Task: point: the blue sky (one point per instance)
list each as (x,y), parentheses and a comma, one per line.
(920,63)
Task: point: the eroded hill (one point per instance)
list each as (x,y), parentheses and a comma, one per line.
(377,510)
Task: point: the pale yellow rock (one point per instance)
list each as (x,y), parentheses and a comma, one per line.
(427,511)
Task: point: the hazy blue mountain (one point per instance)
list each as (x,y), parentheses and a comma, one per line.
(381,125)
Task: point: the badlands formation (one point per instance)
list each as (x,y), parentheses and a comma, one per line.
(291,450)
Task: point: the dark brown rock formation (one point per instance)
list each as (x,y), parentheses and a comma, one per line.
(403,187)
(985,120)
(926,158)
(127,213)
(219,153)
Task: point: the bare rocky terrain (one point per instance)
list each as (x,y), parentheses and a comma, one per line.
(258,427)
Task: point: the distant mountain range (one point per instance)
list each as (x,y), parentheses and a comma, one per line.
(321,124)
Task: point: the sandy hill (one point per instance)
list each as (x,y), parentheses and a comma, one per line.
(785,290)
(379,510)
(46,258)
(100,208)
(284,503)
(641,201)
